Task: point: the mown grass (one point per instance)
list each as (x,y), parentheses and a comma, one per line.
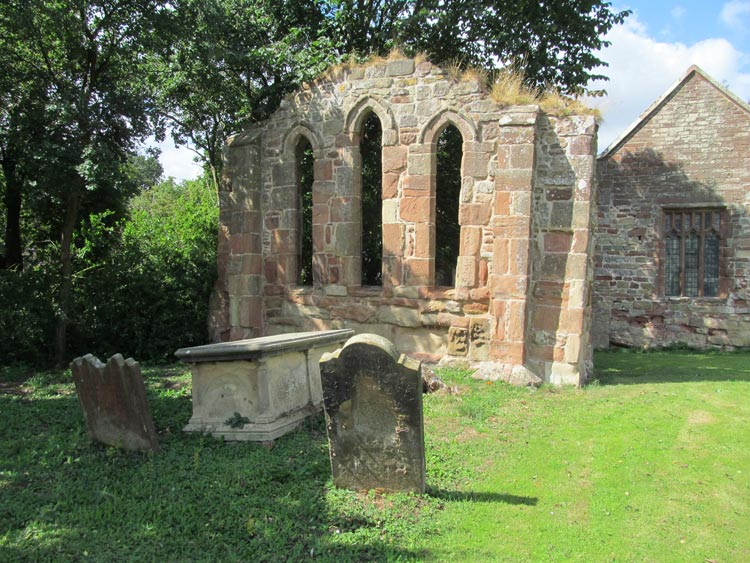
(649,463)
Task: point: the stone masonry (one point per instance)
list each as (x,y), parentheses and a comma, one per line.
(522,290)
(690,150)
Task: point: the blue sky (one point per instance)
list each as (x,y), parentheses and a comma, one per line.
(657,44)
(649,52)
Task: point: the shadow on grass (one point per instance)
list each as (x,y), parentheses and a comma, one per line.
(481,497)
(200,499)
(628,367)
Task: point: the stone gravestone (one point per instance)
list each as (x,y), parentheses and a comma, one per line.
(373,406)
(113,399)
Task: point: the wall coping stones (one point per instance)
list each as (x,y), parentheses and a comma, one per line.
(253,348)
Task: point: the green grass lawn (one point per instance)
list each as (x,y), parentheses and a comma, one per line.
(650,463)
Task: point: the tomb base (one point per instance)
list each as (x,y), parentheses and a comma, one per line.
(257,389)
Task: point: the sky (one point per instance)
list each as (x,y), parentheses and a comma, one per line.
(649,52)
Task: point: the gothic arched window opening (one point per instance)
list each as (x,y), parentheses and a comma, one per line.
(370,149)
(449,152)
(305,164)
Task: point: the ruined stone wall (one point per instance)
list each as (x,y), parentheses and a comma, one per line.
(489,314)
(562,249)
(692,153)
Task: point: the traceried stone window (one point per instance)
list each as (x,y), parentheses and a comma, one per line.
(370,149)
(305,165)
(692,252)
(449,152)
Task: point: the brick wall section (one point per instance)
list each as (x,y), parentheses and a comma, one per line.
(488,314)
(694,151)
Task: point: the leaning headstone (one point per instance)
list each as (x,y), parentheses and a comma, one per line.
(373,405)
(113,399)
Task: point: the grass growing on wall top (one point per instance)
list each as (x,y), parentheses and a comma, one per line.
(650,463)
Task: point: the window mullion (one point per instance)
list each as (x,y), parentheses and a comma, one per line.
(701,252)
(681,234)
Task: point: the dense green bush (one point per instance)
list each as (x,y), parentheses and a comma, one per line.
(27,314)
(141,285)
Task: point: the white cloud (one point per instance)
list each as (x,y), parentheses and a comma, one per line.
(678,12)
(641,69)
(736,15)
(176,161)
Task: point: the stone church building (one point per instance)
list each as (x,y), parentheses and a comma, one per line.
(670,262)
(517,291)
(673,235)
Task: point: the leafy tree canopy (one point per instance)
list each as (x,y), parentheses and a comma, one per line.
(233,60)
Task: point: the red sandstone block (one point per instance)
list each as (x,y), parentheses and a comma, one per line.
(344,209)
(418,271)
(516,320)
(357,313)
(498,308)
(483,273)
(415,209)
(424,243)
(394,158)
(320,214)
(318,236)
(502,203)
(251,312)
(471,240)
(475,164)
(252,264)
(557,242)
(580,146)
(572,321)
(541,352)
(479,293)
(323,170)
(511,227)
(518,258)
(393,239)
(500,256)
(474,213)
(448,319)
(546,318)
(513,180)
(551,293)
(418,185)
(390,185)
(508,286)
(467,271)
(558,353)
(251,222)
(476,308)
(508,352)
(522,156)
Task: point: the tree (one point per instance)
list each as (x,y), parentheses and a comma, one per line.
(231,62)
(555,41)
(87,63)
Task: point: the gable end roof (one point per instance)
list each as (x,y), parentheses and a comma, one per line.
(661,101)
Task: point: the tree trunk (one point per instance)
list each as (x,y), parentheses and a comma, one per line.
(72,208)
(13,257)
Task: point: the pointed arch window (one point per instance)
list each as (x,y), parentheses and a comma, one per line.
(305,165)
(449,152)
(370,150)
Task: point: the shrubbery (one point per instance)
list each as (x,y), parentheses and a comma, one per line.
(141,285)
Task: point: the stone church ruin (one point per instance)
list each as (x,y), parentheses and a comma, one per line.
(298,253)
